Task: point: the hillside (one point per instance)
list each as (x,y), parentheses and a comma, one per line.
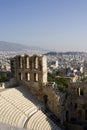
(8,46)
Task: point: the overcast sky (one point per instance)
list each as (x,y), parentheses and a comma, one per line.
(59,25)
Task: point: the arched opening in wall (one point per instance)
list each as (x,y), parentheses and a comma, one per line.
(79,91)
(75,106)
(79,114)
(20,76)
(27,76)
(26,62)
(20,62)
(67,116)
(36,62)
(86,114)
(35,77)
(30,63)
(45,98)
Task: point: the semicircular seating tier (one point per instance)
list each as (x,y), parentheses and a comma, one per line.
(18,107)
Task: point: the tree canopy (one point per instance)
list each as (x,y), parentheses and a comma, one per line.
(3,77)
(61,82)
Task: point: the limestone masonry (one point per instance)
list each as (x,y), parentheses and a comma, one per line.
(31,71)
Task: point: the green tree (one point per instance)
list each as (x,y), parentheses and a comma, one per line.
(3,77)
(51,77)
(62,83)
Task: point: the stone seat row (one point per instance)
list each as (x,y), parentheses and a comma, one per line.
(40,121)
(20,102)
(15,92)
(9,114)
(22,111)
(13,113)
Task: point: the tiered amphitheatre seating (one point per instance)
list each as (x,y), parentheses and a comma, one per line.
(9,114)
(9,127)
(16,109)
(13,96)
(39,121)
(19,108)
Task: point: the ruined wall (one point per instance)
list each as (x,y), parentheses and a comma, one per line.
(31,71)
(78,92)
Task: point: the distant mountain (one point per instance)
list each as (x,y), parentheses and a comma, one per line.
(51,53)
(8,46)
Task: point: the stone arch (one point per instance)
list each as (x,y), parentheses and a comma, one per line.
(86,114)
(67,115)
(20,76)
(27,76)
(36,62)
(27,62)
(45,98)
(20,62)
(80,91)
(35,77)
(79,114)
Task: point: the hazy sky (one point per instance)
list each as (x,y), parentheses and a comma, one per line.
(60,25)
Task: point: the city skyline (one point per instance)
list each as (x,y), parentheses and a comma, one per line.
(57,25)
